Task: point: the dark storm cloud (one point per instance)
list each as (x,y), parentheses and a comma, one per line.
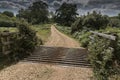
(105,6)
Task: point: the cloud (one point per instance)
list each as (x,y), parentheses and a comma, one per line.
(105,6)
(7,4)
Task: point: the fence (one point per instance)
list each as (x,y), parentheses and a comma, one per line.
(113,37)
(113,40)
(104,55)
(5,42)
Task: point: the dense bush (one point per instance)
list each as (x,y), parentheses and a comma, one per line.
(101,58)
(8,13)
(115,31)
(91,20)
(6,21)
(83,37)
(104,57)
(36,13)
(77,25)
(118,16)
(114,22)
(66,14)
(24,42)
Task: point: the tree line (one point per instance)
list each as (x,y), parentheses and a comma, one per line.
(65,15)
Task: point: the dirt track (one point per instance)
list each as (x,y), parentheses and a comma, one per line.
(58,39)
(38,71)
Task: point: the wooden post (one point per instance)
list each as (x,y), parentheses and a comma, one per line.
(104,35)
(5,42)
(113,38)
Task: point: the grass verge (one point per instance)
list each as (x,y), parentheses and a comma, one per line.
(67,31)
(43,31)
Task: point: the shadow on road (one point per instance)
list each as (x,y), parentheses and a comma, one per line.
(59,56)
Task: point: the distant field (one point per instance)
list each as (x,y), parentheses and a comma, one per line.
(43,31)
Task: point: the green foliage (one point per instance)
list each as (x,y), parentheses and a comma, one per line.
(43,32)
(36,13)
(83,37)
(84,40)
(24,42)
(117,50)
(101,58)
(66,14)
(93,21)
(114,22)
(96,20)
(6,21)
(28,39)
(104,57)
(77,25)
(64,29)
(8,13)
(119,16)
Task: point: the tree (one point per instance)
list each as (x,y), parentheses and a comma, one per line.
(90,21)
(8,13)
(36,13)
(119,16)
(77,25)
(114,22)
(66,14)
(95,20)
(25,14)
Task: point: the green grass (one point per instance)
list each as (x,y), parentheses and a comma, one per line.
(11,29)
(43,31)
(67,31)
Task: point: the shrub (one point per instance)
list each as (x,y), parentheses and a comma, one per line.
(84,39)
(8,13)
(100,58)
(24,43)
(92,21)
(104,57)
(66,14)
(6,21)
(114,23)
(77,25)
(36,13)
(95,20)
(28,38)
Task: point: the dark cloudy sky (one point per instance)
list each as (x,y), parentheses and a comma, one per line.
(109,7)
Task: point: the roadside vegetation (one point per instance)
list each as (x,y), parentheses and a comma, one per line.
(32,30)
(43,31)
(24,42)
(105,61)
